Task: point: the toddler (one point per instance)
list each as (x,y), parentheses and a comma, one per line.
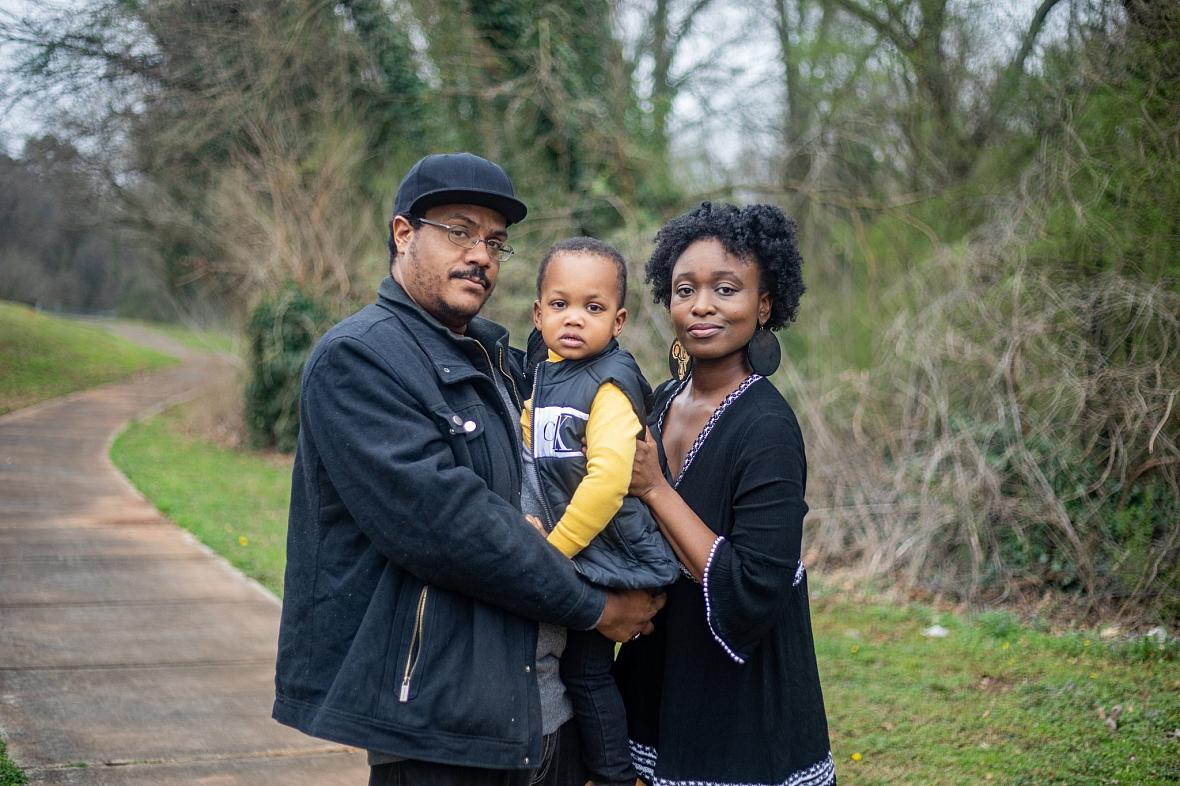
(590,395)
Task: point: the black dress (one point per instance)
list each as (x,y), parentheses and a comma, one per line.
(726,690)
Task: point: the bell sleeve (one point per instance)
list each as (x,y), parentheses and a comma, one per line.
(751,574)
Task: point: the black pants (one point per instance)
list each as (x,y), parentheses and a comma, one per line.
(598,707)
(561,765)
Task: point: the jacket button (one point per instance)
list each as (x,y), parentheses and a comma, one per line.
(458,421)
(526,759)
(470,426)
(446,370)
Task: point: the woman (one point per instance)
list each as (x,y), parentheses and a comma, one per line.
(726,690)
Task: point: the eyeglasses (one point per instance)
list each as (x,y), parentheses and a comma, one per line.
(464,239)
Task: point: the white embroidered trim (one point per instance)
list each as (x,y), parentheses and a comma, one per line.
(799,571)
(822,773)
(717,413)
(644,759)
(709,606)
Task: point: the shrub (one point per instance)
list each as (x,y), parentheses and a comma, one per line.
(281,331)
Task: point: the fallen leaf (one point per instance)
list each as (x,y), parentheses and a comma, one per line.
(1111,719)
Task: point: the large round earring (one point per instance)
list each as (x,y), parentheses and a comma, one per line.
(763,353)
(679,361)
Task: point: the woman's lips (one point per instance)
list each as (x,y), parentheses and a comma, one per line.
(702,330)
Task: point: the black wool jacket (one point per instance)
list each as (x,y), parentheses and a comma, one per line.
(413,584)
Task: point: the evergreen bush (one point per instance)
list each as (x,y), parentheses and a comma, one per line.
(281,332)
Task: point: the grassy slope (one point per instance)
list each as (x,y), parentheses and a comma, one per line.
(194,338)
(994,701)
(235,503)
(42,357)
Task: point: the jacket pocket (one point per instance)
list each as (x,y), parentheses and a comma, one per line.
(407,690)
(464,429)
(464,422)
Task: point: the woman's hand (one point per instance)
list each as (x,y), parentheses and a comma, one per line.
(646,475)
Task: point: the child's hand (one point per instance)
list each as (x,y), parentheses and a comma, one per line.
(537,525)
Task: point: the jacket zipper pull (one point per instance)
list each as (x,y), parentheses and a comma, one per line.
(404,694)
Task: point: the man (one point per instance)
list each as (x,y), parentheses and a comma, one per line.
(414,586)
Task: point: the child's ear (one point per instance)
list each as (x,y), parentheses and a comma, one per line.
(620,318)
(537,314)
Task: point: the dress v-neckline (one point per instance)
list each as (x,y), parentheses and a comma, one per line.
(708,427)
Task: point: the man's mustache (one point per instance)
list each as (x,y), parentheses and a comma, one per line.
(474,273)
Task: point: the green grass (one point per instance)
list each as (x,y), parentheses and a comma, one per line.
(195,338)
(235,503)
(10,775)
(996,701)
(42,357)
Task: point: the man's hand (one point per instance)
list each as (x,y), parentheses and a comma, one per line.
(537,525)
(628,613)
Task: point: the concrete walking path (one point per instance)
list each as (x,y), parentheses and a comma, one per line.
(130,654)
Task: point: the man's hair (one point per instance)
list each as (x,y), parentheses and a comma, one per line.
(586,245)
(762,234)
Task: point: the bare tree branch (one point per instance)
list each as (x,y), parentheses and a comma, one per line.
(1007,82)
(890,28)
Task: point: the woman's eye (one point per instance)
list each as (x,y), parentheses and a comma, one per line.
(683,291)
(724,290)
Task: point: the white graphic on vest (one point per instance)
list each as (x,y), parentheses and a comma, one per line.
(555,432)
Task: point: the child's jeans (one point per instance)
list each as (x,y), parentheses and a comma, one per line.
(598,707)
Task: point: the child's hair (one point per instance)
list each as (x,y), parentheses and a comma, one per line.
(586,245)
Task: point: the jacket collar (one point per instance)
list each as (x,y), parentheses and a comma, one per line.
(392,296)
(455,357)
(560,368)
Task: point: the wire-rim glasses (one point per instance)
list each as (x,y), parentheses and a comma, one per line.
(463,238)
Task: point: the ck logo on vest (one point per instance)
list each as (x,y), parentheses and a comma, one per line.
(556,432)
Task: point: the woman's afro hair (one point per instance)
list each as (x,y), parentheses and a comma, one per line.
(761,233)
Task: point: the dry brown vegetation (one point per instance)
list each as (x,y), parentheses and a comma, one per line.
(1018,432)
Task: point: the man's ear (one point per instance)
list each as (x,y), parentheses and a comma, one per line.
(620,319)
(401,230)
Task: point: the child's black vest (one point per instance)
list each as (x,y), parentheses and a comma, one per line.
(630,552)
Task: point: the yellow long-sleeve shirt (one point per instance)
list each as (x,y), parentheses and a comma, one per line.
(610,452)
